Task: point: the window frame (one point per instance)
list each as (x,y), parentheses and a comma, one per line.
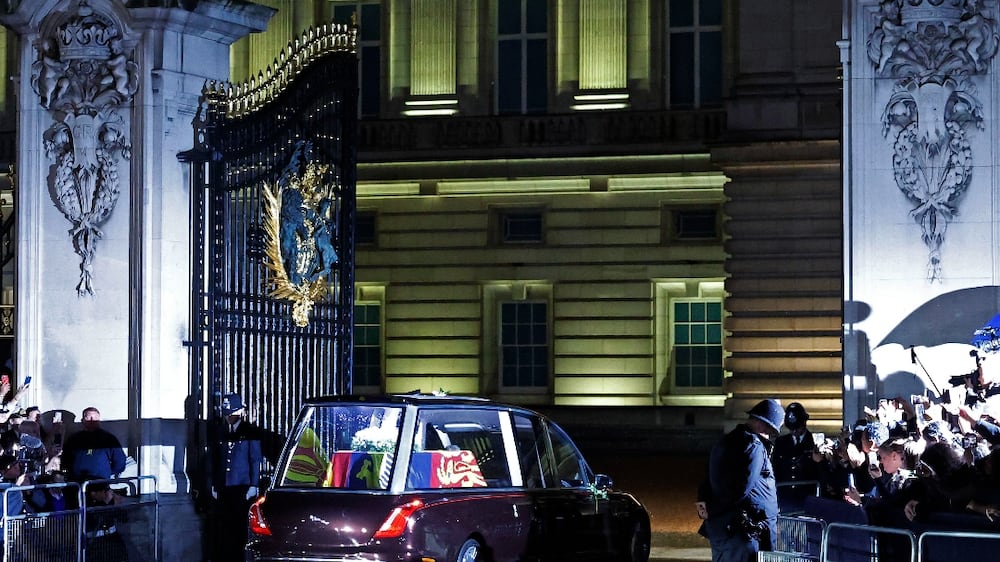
(524,389)
(523,38)
(674,364)
(670,218)
(696,29)
(364,45)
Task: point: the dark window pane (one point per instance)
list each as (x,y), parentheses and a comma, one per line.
(681,311)
(682,377)
(342,13)
(697,312)
(711,67)
(370,80)
(509,77)
(698,223)
(682,69)
(681,13)
(537,16)
(371,22)
(713,334)
(364,228)
(522,227)
(715,376)
(367,345)
(710,12)
(509,16)
(714,312)
(697,334)
(537,76)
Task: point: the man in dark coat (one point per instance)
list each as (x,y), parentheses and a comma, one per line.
(738,501)
(94,453)
(235,475)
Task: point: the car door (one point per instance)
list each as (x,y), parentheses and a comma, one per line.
(581,503)
(564,511)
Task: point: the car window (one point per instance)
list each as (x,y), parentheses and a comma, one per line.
(343,447)
(458,448)
(569,466)
(530,438)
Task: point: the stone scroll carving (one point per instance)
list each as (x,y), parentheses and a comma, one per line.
(82,76)
(932,48)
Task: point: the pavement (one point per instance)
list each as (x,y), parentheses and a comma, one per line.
(667,547)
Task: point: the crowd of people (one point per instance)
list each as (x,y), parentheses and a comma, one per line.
(922,462)
(34,454)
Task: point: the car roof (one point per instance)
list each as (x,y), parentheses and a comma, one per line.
(414,398)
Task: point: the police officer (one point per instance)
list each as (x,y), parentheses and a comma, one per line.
(738,501)
(235,475)
(793,460)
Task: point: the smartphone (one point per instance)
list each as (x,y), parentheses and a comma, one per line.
(57,417)
(819,438)
(27,380)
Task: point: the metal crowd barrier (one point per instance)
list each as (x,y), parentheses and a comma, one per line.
(846,542)
(49,529)
(946,546)
(808,539)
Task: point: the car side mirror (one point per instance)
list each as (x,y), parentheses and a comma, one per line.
(603,481)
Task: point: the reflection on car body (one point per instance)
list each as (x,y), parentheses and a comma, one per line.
(432,478)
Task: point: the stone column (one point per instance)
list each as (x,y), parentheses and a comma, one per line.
(107,99)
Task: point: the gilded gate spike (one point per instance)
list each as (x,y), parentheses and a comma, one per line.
(313,43)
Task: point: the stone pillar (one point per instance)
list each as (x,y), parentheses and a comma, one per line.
(107,99)
(432,51)
(603,34)
(920,192)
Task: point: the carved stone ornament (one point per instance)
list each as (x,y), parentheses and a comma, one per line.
(933,48)
(299,225)
(82,75)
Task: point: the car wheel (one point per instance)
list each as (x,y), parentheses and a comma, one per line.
(638,546)
(471,551)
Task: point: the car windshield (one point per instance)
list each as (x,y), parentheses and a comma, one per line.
(348,446)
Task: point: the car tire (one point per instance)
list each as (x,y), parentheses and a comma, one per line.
(471,551)
(638,547)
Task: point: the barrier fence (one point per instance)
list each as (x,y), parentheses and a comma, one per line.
(808,539)
(107,520)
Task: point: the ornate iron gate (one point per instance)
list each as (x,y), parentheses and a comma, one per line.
(273,206)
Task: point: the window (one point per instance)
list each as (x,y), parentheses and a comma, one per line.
(697,339)
(369,50)
(524,345)
(694,44)
(344,447)
(517,226)
(692,223)
(365,228)
(367,348)
(458,448)
(569,468)
(522,56)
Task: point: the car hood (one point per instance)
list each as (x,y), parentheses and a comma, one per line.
(325,520)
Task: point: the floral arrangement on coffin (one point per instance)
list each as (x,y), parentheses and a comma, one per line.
(375,440)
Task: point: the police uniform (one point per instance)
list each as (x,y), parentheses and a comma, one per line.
(740,493)
(793,460)
(236,473)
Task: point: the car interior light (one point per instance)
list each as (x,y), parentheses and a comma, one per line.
(395,523)
(256,519)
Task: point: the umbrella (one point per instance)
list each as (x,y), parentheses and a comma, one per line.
(947,318)
(987,338)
